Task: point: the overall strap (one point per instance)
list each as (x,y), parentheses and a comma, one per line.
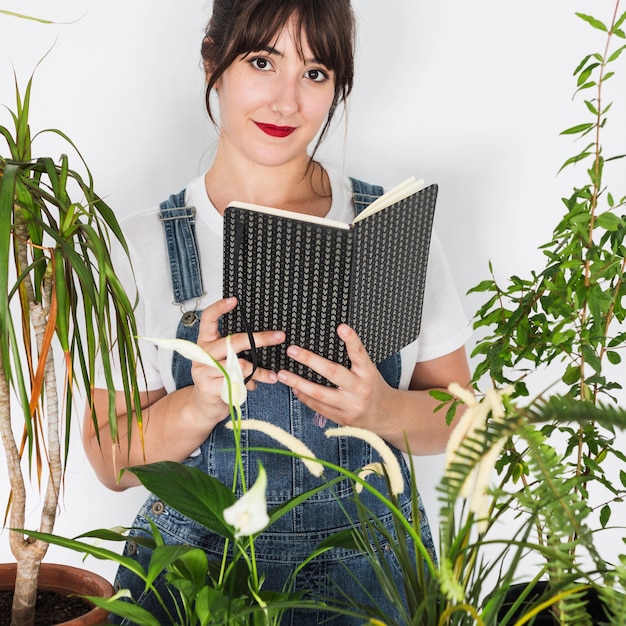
(179,224)
(363,194)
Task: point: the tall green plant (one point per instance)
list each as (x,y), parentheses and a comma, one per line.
(58,291)
(567,318)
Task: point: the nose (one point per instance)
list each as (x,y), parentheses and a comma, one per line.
(286,96)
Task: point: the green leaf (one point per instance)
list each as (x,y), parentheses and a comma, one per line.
(586,73)
(591,358)
(26,17)
(135,614)
(193,493)
(593,21)
(442,396)
(163,557)
(571,375)
(93,550)
(7,193)
(605,514)
(189,572)
(616,54)
(579,128)
(609,221)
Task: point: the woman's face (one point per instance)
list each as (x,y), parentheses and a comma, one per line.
(273,102)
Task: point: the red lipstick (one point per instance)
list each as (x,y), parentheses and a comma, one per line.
(276,131)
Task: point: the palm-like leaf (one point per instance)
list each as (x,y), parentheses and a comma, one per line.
(58,289)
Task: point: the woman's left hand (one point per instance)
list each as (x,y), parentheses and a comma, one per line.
(361,393)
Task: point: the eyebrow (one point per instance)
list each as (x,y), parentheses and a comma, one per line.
(275,51)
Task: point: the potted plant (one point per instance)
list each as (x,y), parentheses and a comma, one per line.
(59,297)
(565,319)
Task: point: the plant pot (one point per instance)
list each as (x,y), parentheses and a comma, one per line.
(68,581)
(594,606)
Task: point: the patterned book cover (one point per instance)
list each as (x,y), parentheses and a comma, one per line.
(390,262)
(306,278)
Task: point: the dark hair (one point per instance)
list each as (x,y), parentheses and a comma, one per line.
(241,26)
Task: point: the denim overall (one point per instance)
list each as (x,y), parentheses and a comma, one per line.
(291,539)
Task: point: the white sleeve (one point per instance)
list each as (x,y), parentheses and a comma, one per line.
(444,324)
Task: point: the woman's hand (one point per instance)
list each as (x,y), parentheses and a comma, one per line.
(407,419)
(174,424)
(361,393)
(205,400)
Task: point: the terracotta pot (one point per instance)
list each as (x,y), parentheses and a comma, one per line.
(66,580)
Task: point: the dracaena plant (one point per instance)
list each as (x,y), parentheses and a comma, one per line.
(566,319)
(60,305)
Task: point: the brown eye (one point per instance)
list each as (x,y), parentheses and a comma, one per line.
(316,75)
(260,63)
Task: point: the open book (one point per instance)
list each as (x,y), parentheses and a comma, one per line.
(306,275)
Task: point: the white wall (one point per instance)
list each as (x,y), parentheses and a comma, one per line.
(471,95)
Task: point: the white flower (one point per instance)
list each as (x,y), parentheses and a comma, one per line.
(249,514)
(194,352)
(237,389)
(396,481)
(286,439)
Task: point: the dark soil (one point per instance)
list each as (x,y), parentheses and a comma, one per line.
(51,608)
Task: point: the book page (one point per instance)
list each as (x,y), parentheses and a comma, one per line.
(395,194)
(289,214)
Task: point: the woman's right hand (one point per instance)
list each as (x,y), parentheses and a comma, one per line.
(206,398)
(174,424)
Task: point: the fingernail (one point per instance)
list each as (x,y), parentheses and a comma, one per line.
(273,377)
(282,376)
(293,350)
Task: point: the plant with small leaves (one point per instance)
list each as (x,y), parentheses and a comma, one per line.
(566,319)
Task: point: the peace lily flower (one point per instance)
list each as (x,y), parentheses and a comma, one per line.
(238,391)
(286,439)
(233,387)
(471,423)
(249,514)
(396,481)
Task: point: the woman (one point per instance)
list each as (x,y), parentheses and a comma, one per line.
(279,69)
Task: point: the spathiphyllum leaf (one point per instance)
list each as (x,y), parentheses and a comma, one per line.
(193,493)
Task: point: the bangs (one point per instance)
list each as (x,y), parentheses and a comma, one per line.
(319,23)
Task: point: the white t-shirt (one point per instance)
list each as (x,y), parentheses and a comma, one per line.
(444,326)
